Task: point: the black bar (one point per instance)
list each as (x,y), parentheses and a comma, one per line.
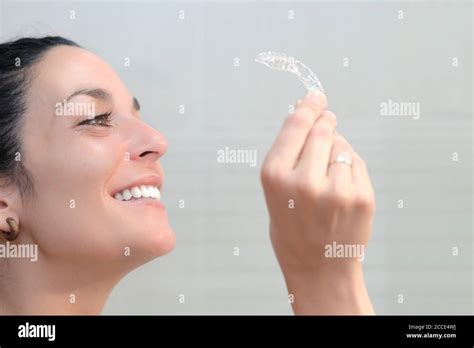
(156,330)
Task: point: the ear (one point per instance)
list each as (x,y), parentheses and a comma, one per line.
(8,203)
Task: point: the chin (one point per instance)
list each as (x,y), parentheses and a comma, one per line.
(147,227)
(156,239)
(162,242)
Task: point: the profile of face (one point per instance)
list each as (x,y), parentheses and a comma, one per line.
(78,164)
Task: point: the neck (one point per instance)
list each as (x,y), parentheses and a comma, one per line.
(54,287)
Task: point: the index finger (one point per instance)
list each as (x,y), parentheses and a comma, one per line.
(290,141)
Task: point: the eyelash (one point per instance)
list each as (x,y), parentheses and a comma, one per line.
(105,117)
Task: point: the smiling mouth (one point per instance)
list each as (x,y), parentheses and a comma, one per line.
(149,192)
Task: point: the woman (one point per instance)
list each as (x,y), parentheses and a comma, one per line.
(85,189)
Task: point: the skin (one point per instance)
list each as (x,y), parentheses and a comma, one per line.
(331,203)
(82,249)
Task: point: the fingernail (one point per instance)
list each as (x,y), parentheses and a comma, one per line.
(333,116)
(298,102)
(316,96)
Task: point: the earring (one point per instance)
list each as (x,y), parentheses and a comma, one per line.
(14,230)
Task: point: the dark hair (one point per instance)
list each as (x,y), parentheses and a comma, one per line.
(17,58)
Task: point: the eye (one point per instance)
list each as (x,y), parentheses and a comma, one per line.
(102,120)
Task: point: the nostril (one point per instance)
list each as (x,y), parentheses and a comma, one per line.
(145,153)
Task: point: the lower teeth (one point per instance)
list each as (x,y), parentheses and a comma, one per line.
(135,199)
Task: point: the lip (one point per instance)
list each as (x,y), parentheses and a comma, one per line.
(148,180)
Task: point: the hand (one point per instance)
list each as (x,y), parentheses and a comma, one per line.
(316,205)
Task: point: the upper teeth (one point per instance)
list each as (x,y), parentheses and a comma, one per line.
(138,192)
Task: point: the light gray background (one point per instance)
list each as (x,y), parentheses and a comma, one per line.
(191,61)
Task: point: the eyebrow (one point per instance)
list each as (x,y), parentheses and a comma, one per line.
(97,93)
(101,94)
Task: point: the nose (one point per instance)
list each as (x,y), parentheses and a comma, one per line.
(149,144)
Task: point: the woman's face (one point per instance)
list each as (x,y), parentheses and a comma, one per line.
(77,168)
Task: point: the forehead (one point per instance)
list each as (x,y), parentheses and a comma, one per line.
(65,69)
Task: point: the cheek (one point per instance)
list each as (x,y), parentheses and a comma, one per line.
(74,217)
(70,215)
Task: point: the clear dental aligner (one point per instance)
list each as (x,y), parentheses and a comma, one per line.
(282,62)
